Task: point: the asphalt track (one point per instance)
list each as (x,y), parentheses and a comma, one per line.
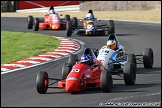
(18,89)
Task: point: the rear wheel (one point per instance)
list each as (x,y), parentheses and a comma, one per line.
(129,73)
(30,22)
(106,81)
(132,58)
(67,17)
(36,25)
(66,70)
(42,82)
(72,59)
(111,27)
(68,28)
(148,58)
(74,22)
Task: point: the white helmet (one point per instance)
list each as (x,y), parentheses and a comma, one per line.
(89,16)
(111,44)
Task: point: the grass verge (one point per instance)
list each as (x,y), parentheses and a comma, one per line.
(19,45)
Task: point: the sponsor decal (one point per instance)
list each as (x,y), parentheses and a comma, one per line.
(75,70)
(71,78)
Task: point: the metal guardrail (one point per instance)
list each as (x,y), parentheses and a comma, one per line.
(71,8)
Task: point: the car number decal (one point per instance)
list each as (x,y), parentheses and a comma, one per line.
(90,27)
(104,52)
(75,70)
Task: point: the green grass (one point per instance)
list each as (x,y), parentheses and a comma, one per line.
(20,45)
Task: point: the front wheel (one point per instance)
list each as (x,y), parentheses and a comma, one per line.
(106,81)
(42,82)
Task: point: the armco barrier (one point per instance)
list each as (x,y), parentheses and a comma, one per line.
(71,8)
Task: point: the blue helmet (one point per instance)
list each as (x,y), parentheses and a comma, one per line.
(85,58)
(51,12)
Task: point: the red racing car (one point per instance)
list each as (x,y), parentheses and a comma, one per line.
(51,21)
(77,76)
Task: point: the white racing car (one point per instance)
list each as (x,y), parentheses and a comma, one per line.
(118,62)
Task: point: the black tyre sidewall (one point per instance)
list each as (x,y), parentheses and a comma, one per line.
(132,58)
(148,58)
(36,25)
(72,59)
(106,81)
(30,22)
(74,22)
(67,17)
(68,28)
(111,27)
(41,88)
(66,70)
(129,73)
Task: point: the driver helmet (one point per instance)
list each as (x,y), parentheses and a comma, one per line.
(86,58)
(90,11)
(89,16)
(51,12)
(111,44)
(51,8)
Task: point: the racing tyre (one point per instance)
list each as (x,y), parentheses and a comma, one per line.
(36,25)
(106,81)
(68,28)
(66,70)
(42,82)
(148,58)
(132,58)
(111,27)
(74,22)
(67,17)
(30,22)
(129,73)
(72,59)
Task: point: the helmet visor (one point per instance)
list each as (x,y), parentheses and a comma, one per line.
(112,46)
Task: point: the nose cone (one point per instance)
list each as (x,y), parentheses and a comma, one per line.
(72,86)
